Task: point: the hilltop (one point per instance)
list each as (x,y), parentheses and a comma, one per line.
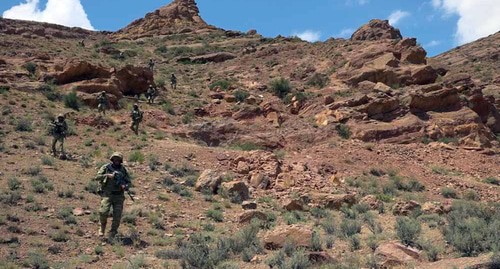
(363,151)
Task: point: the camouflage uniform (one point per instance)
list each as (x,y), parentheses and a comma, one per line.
(112,192)
(151,94)
(59,129)
(136,116)
(173,81)
(103,103)
(151,64)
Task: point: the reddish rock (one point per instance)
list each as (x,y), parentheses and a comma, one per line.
(293,204)
(432,208)
(218,57)
(300,235)
(249,205)
(440,100)
(373,202)
(208,180)
(75,71)
(319,257)
(236,188)
(376,30)
(248,216)
(392,254)
(404,208)
(333,201)
(423,75)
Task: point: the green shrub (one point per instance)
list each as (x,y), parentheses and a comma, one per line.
(130,217)
(41,184)
(328,225)
(350,227)
(343,131)
(316,242)
(492,180)
(49,91)
(136,157)
(60,236)
(92,187)
(66,214)
(222,84)
(36,260)
(318,80)
(245,146)
(188,117)
(215,214)
(99,250)
(280,87)
(161,49)
(72,101)
(241,95)
(407,230)
(47,160)
(4,89)
(449,193)
(14,184)
(10,198)
(24,125)
(471,195)
(299,260)
(319,212)
(354,243)
(294,217)
(168,107)
(30,67)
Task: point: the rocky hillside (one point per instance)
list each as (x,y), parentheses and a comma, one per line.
(350,153)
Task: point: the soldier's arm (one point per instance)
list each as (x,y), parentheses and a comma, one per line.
(126,175)
(102,175)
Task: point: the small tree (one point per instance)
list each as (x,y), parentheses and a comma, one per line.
(71,100)
(407,230)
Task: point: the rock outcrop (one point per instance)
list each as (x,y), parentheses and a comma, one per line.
(376,30)
(180,16)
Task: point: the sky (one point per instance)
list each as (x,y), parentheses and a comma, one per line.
(438,25)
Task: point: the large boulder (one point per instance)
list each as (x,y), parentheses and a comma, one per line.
(423,75)
(393,254)
(410,52)
(209,180)
(441,100)
(134,80)
(299,235)
(74,71)
(236,189)
(405,208)
(376,30)
(402,130)
(248,216)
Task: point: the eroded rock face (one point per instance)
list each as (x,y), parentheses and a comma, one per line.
(180,16)
(300,235)
(332,201)
(441,100)
(376,30)
(209,180)
(404,208)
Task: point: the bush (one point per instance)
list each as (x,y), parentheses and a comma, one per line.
(215,214)
(24,125)
(4,89)
(168,107)
(316,242)
(318,80)
(294,217)
(92,187)
(66,214)
(449,193)
(14,184)
(36,260)
(41,184)
(161,49)
(60,236)
(241,95)
(280,87)
(47,160)
(492,180)
(136,157)
(471,195)
(10,198)
(350,227)
(299,260)
(188,117)
(72,101)
(407,230)
(49,91)
(328,225)
(246,146)
(30,67)
(222,84)
(343,131)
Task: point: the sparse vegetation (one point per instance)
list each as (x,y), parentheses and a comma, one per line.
(449,193)
(407,230)
(71,100)
(221,84)
(318,80)
(241,95)
(31,68)
(136,157)
(344,131)
(280,87)
(24,125)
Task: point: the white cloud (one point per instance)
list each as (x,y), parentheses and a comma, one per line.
(397,16)
(358,2)
(308,35)
(433,43)
(64,12)
(346,33)
(477,18)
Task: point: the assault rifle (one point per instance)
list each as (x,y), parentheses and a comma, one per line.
(122,183)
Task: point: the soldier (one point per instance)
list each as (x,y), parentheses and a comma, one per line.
(151,94)
(151,64)
(59,129)
(173,81)
(102,99)
(136,116)
(114,181)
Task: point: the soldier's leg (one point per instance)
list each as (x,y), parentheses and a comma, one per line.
(54,141)
(117,213)
(137,129)
(61,140)
(103,214)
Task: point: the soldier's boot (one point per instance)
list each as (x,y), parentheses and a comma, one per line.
(103,221)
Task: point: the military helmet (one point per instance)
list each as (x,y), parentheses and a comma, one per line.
(60,116)
(103,92)
(136,105)
(118,155)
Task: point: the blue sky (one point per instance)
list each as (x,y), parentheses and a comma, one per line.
(439,25)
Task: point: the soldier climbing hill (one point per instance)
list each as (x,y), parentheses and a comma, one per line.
(151,64)
(173,81)
(114,181)
(59,128)
(136,116)
(102,99)
(151,94)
